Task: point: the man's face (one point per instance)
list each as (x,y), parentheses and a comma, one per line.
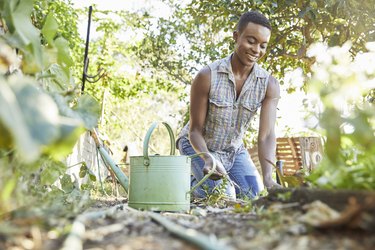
(251,43)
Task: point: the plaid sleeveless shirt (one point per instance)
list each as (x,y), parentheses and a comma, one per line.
(229,116)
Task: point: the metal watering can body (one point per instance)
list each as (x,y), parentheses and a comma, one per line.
(161,183)
(163,186)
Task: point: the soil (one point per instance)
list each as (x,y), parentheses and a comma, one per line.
(285,219)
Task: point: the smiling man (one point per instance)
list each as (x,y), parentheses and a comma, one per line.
(225,95)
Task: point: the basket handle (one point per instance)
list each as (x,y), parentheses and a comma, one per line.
(146,159)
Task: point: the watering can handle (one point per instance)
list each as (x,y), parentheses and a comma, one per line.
(146,141)
(208,174)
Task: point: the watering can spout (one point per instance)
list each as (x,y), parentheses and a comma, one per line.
(121,177)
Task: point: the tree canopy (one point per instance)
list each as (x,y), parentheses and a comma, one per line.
(201,32)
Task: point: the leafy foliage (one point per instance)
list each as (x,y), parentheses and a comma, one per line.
(347,117)
(63,23)
(129,94)
(40,113)
(201,32)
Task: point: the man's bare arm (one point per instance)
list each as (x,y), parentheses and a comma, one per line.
(199,96)
(266,136)
(198,109)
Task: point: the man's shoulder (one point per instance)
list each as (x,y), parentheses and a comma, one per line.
(261,72)
(221,65)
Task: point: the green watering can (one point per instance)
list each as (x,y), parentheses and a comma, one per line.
(162,183)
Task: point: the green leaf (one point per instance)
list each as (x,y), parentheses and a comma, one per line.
(74,196)
(89,110)
(22,34)
(39,111)
(59,80)
(17,15)
(12,119)
(82,173)
(51,173)
(63,54)
(7,189)
(5,138)
(92,177)
(50,27)
(70,131)
(32,118)
(87,186)
(66,183)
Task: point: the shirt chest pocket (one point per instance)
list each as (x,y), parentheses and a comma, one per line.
(246,113)
(220,112)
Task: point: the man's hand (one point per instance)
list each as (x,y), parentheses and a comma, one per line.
(219,172)
(270,184)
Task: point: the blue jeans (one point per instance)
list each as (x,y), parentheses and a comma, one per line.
(243,173)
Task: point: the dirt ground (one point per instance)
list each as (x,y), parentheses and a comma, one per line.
(298,219)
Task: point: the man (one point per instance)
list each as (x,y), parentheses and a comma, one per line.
(225,95)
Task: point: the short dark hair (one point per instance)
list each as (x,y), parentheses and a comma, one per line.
(252,17)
